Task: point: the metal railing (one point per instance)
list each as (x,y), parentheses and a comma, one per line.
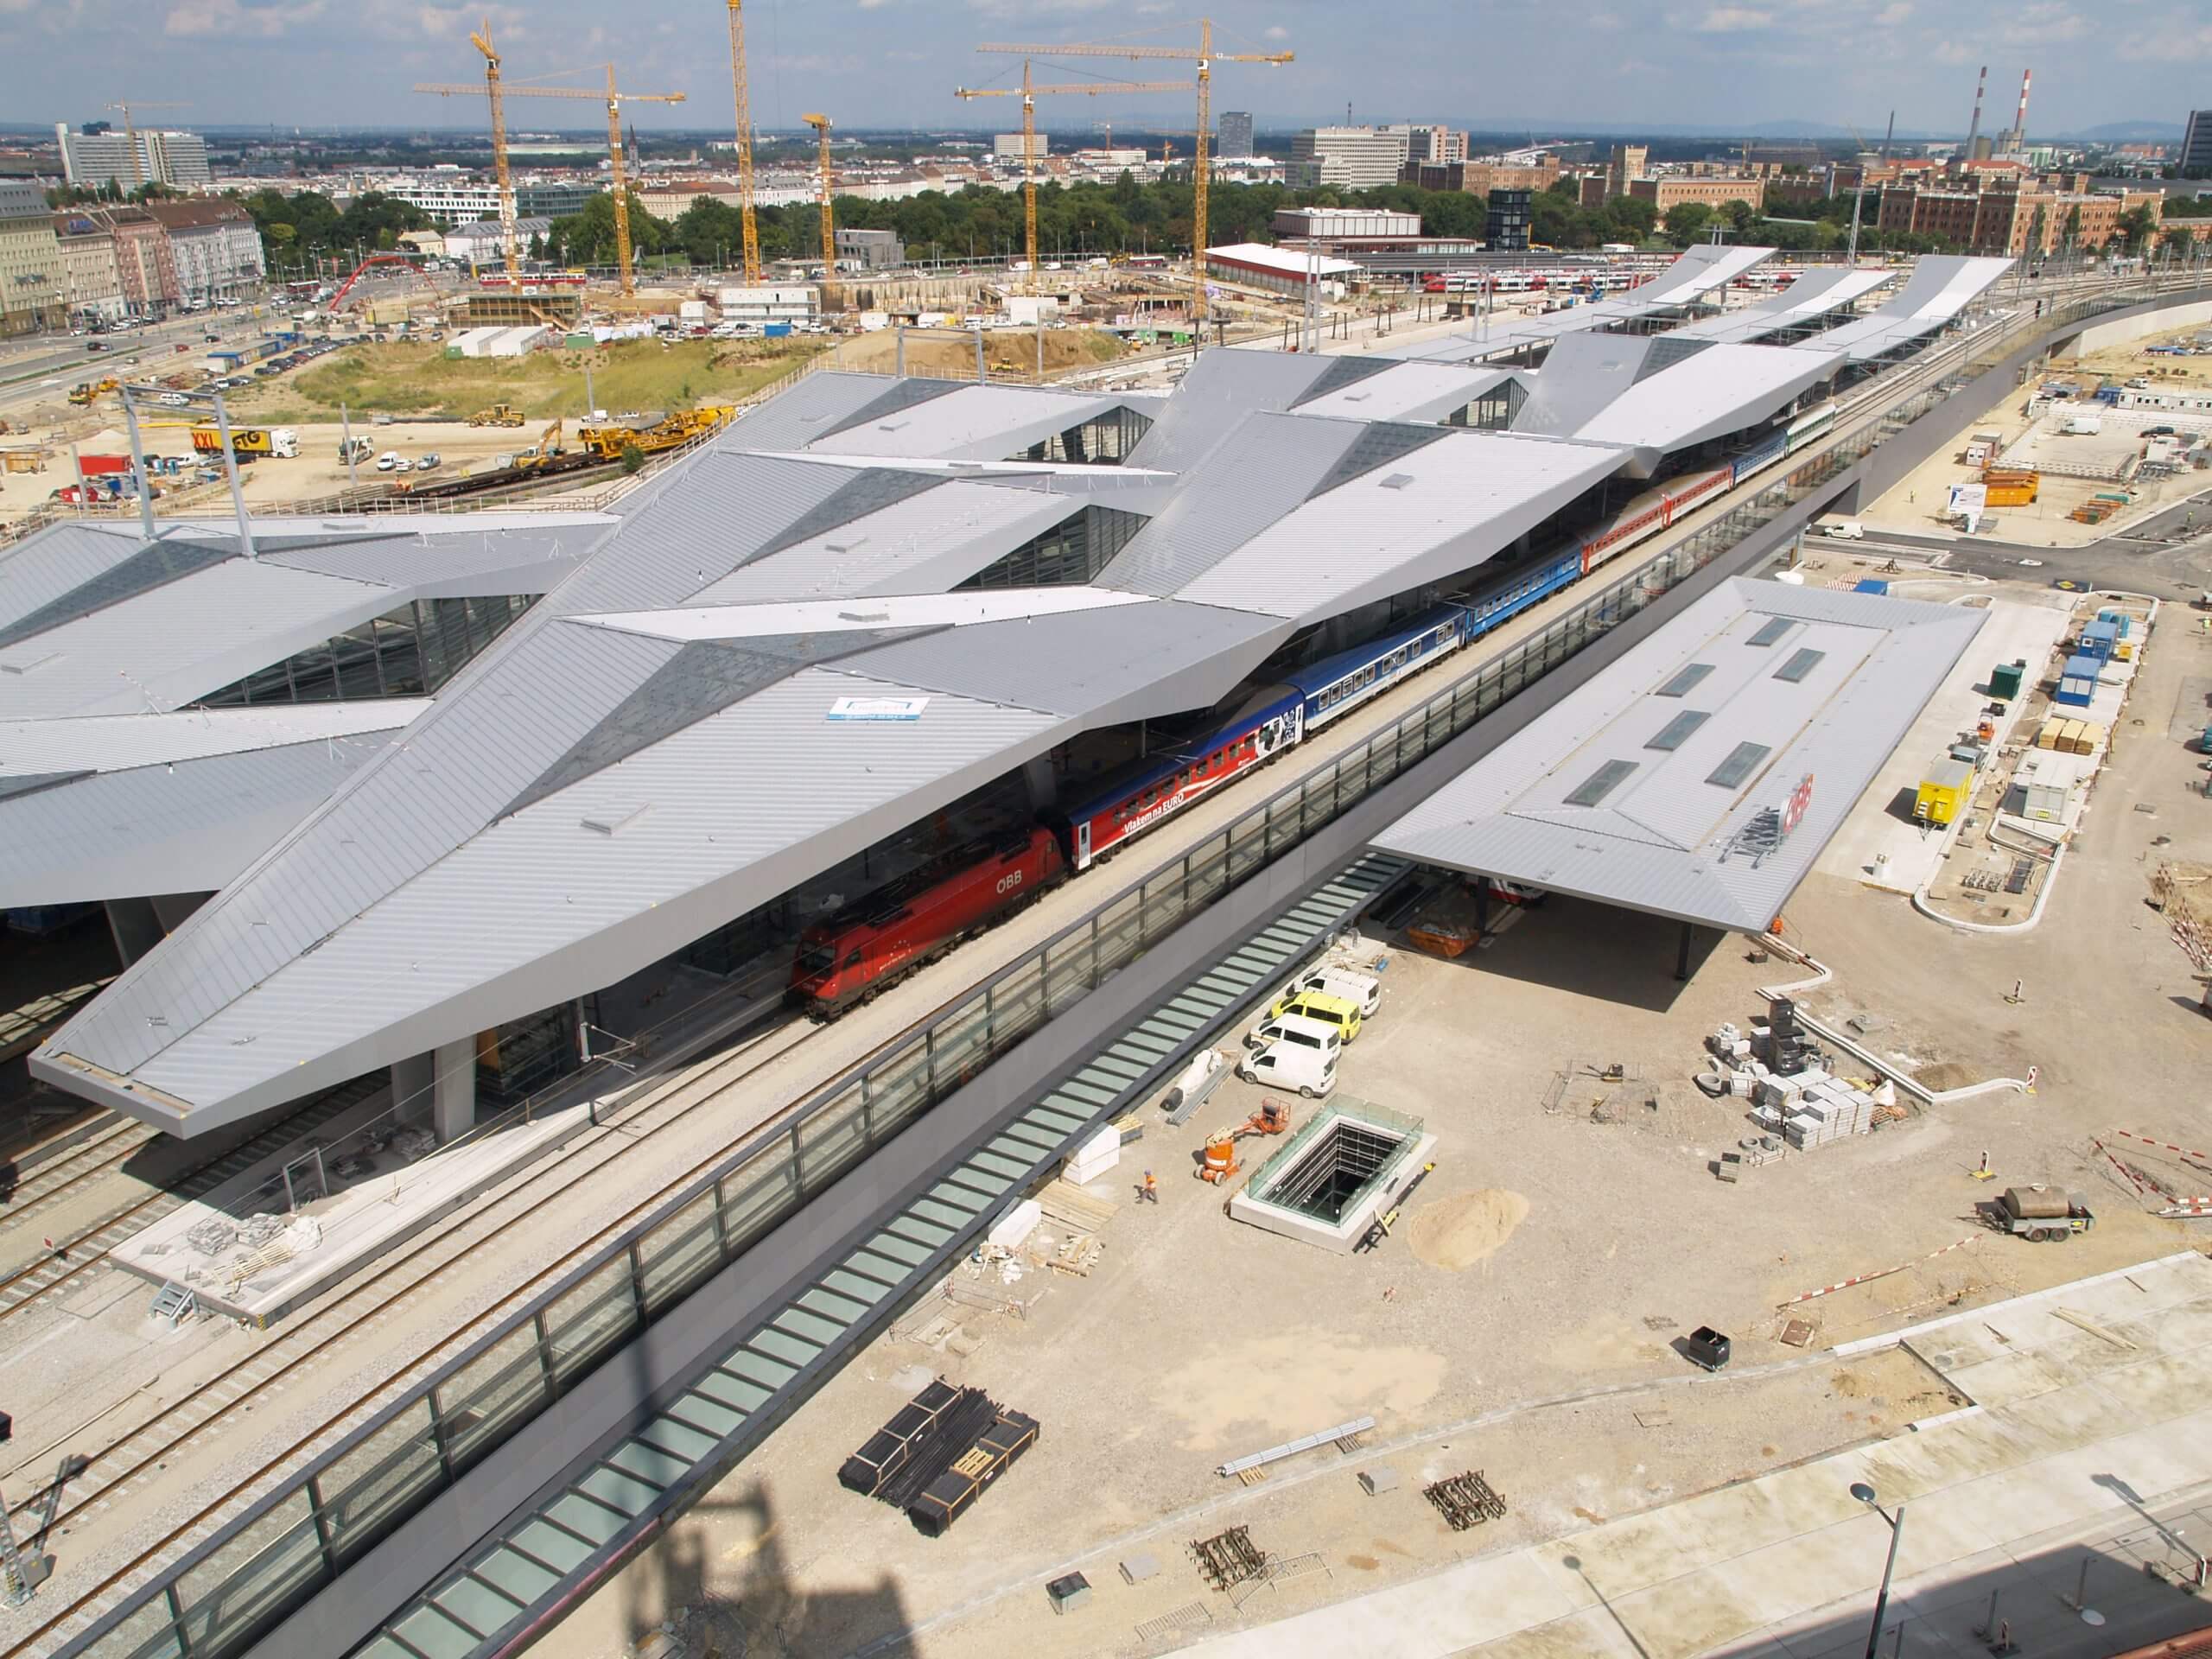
(291,1542)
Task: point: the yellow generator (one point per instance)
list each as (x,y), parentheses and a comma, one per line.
(1943,792)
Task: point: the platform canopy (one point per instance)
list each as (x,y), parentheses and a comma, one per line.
(1700,777)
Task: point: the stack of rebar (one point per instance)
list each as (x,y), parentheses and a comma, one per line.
(950,1433)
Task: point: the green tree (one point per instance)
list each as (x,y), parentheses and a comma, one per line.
(2137,227)
(1686,221)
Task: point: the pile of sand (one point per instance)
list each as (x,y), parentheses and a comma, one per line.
(1457,1232)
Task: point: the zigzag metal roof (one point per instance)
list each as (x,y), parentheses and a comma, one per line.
(656,746)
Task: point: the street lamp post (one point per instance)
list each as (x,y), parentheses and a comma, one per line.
(1864,1494)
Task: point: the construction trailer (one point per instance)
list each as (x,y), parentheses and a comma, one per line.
(1944,793)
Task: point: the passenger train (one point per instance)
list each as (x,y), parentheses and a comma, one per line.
(891,933)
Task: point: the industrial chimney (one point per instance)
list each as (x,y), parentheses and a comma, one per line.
(2020,120)
(1980,85)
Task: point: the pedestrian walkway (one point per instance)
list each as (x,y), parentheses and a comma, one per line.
(2090,1438)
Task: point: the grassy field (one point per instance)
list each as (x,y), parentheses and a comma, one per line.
(420,379)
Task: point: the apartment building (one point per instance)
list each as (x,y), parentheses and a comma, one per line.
(34,285)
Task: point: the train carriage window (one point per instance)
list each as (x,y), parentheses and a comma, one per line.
(853,961)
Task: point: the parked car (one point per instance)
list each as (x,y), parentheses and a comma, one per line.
(390,462)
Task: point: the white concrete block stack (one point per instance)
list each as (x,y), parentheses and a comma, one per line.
(1807,1109)
(1094,1158)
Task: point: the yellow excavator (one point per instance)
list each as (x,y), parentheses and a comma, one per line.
(84,390)
(545,449)
(671,431)
(498,414)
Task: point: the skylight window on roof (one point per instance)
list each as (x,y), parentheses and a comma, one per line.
(1772,630)
(1686,680)
(1742,761)
(1799,666)
(1676,731)
(1601,783)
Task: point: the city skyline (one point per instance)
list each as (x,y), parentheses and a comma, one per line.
(1706,66)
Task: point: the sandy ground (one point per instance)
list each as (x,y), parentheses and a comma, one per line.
(1556,1251)
(1918,502)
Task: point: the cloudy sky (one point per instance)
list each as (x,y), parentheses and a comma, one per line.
(1711,64)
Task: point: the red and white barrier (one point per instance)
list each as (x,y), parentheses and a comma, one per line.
(1866,1278)
(2163,1146)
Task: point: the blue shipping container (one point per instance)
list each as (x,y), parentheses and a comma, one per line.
(1870,585)
(775,330)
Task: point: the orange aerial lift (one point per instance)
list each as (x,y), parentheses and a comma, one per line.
(1220,1161)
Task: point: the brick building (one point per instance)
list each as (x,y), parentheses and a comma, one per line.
(1479,178)
(1668,193)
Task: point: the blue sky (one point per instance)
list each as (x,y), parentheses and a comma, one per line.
(1715,64)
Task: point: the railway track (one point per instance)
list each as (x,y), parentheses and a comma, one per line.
(108,1474)
(74,1258)
(62,1179)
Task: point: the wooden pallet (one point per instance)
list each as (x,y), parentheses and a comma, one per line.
(1071,1206)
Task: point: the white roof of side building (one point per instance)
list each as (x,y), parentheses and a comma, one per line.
(1283,262)
(1660,785)
(1941,287)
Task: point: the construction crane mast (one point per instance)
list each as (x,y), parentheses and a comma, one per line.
(744,142)
(821,125)
(131,135)
(1028,93)
(498,93)
(1205,58)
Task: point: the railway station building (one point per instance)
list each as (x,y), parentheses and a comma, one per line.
(874,630)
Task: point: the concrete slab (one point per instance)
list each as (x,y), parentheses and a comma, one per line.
(394,1197)
(1879,843)
(1789,1551)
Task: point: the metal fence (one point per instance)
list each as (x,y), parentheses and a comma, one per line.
(293,1540)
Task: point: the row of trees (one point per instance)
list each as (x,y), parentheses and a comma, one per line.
(1083,219)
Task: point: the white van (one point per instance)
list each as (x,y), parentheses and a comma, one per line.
(1298,1032)
(1362,991)
(1844,530)
(1312,1071)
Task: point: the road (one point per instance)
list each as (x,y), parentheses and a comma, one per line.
(2169,555)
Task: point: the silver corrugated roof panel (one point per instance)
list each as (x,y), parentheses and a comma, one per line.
(1261,469)
(1424,517)
(481,554)
(1942,286)
(1103,666)
(927,543)
(518,709)
(730,505)
(812,408)
(737,807)
(51,562)
(1814,295)
(182,640)
(1720,389)
(1664,837)
(189,825)
(1408,391)
(116,742)
(1221,389)
(970,423)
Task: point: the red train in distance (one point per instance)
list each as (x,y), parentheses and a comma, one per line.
(918,918)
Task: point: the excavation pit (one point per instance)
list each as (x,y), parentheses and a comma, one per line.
(1334,1178)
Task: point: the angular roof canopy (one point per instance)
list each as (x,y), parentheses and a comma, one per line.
(1700,775)
(769,661)
(1942,286)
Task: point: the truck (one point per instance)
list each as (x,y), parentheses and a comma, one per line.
(2040,1212)
(355,448)
(248,442)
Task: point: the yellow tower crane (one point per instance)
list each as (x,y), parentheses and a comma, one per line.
(614,99)
(1029,93)
(744,142)
(130,133)
(821,125)
(1206,58)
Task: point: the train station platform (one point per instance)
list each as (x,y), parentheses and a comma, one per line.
(323,1207)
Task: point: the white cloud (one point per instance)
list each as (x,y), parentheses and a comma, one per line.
(878,5)
(1277,33)
(1733,19)
(1890,16)
(237,20)
(1015,8)
(2045,23)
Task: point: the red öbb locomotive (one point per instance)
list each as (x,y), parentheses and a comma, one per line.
(915,920)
